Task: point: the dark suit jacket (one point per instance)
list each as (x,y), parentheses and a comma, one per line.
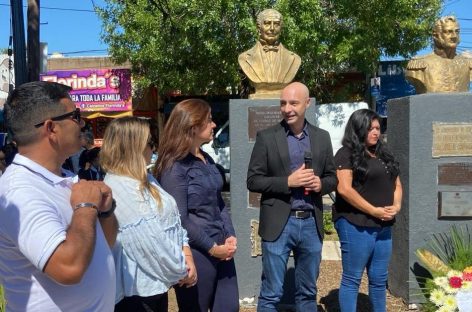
(268,173)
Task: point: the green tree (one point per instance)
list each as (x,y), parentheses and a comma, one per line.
(193,45)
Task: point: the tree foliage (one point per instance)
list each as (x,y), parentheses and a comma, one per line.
(193,45)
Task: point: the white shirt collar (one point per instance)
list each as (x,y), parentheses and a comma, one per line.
(39,170)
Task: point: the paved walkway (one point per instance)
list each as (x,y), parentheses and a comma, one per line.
(331,251)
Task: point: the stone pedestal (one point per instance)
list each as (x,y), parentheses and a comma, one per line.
(431,136)
(246,118)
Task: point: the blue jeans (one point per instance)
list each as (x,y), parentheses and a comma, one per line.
(363,247)
(301,236)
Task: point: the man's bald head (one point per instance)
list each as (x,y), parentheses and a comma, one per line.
(298,88)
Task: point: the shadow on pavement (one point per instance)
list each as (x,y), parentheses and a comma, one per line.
(331,302)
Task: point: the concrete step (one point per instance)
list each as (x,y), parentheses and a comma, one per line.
(331,251)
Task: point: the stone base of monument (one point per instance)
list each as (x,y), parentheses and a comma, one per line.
(246,118)
(431,136)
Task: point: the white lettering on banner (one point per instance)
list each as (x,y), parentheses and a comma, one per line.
(79,83)
(111,97)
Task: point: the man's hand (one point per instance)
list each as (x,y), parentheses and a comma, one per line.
(95,192)
(305,178)
(85,192)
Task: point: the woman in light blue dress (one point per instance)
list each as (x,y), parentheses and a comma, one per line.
(151,252)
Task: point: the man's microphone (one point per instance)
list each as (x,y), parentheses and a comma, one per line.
(308,165)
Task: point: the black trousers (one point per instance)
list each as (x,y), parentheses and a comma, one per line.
(216,289)
(157,303)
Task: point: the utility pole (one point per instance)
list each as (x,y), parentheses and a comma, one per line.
(21,71)
(34,55)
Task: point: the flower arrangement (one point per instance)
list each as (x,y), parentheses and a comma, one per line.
(445,289)
(449,288)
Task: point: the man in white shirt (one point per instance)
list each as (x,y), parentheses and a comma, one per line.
(54,256)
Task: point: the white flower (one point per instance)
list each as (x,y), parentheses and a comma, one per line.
(441,281)
(451,290)
(445,309)
(466,286)
(454,273)
(437,297)
(450,302)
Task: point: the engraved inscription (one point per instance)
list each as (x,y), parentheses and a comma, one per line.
(459,174)
(256,249)
(260,118)
(452,139)
(253,200)
(455,205)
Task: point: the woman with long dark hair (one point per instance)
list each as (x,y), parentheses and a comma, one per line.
(191,176)
(151,251)
(368,197)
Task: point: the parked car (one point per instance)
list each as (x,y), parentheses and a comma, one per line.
(218,149)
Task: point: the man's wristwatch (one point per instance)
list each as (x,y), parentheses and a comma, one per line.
(106,214)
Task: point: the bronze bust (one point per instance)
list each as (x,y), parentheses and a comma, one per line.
(269,65)
(443,70)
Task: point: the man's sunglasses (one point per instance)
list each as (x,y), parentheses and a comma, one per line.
(74,115)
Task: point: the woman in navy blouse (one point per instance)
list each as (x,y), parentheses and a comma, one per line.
(192,178)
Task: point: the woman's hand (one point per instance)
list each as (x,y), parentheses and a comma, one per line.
(191,278)
(231,242)
(392,210)
(221,252)
(385,213)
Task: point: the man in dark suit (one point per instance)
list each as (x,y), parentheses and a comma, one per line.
(291,213)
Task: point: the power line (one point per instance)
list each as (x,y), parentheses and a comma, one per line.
(79,52)
(57,9)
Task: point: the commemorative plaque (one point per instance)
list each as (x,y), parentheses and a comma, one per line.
(455,190)
(253,200)
(455,205)
(452,139)
(457,174)
(260,118)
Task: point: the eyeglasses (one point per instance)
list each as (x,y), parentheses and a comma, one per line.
(74,115)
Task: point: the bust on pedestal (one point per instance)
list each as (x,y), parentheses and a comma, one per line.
(269,65)
(443,70)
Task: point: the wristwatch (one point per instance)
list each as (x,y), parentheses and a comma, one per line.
(106,214)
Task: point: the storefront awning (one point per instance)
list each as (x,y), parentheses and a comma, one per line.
(93,115)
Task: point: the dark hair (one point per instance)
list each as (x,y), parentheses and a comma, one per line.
(177,138)
(355,134)
(10,150)
(88,136)
(92,154)
(31,103)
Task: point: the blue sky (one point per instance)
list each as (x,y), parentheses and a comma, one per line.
(71,27)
